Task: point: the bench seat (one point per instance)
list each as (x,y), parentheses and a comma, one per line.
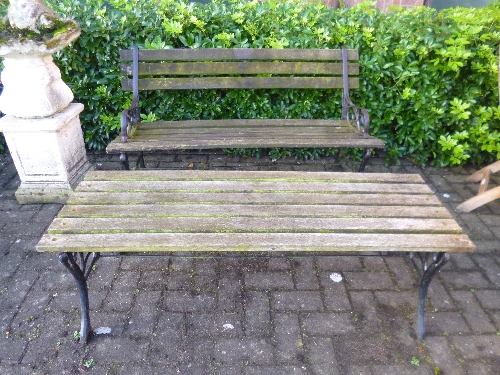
(211,134)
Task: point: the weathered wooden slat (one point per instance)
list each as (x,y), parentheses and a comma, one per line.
(255,242)
(244,68)
(240,83)
(250,225)
(253,198)
(131,145)
(220,54)
(252,186)
(243,123)
(251,132)
(251,210)
(290,176)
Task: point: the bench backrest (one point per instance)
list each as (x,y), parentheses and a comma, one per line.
(243,68)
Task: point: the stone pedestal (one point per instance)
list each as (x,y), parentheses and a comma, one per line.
(49,154)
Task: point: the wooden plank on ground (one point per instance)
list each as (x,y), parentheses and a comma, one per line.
(249,225)
(252,187)
(276,176)
(253,198)
(251,210)
(255,242)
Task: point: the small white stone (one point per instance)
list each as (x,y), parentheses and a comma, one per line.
(446,195)
(336,277)
(228,326)
(102,330)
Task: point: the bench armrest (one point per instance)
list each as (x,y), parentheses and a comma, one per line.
(359,115)
(129,117)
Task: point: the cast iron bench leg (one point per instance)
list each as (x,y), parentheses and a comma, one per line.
(124,161)
(429,267)
(366,156)
(80,273)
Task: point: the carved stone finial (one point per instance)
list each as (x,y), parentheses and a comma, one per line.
(30,14)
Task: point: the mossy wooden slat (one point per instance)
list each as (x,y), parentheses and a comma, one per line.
(278,176)
(244,68)
(243,123)
(250,225)
(220,54)
(250,132)
(252,186)
(253,198)
(300,242)
(251,210)
(239,83)
(131,145)
(291,176)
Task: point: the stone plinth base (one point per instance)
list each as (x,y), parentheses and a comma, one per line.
(49,154)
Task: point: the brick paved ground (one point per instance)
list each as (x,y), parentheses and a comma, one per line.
(258,316)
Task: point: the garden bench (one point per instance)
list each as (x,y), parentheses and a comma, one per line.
(198,211)
(227,69)
(141,212)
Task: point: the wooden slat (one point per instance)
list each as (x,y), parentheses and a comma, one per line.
(302,131)
(251,186)
(479,200)
(299,242)
(251,210)
(479,175)
(240,83)
(244,123)
(253,198)
(220,54)
(132,145)
(291,176)
(249,225)
(244,68)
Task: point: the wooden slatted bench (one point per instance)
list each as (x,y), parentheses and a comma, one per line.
(229,69)
(129,212)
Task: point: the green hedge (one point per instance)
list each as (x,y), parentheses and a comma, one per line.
(429,80)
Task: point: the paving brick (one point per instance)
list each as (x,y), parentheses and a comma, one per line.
(268,280)
(121,296)
(215,324)
(243,351)
(374,264)
(483,368)
(364,308)
(230,293)
(30,312)
(490,299)
(297,300)
(12,349)
(321,324)
(479,230)
(368,280)
(403,272)
(189,301)
(17,290)
(289,345)
(489,267)
(477,347)
(473,313)
(257,313)
(119,350)
(166,346)
(397,299)
(336,298)
(179,280)
(402,370)
(322,356)
(144,313)
(464,280)
(340,263)
(279,264)
(439,297)
(445,323)
(305,274)
(443,356)
(358,370)
(462,261)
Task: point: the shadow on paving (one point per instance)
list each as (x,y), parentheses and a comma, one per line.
(250,316)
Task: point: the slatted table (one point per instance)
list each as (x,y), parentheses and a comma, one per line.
(121,212)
